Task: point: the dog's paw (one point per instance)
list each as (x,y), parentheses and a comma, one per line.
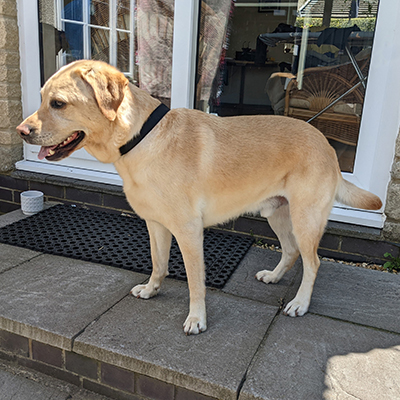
(194,325)
(266,276)
(144,291)
(296,308)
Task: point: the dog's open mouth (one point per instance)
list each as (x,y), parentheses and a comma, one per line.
(63,149)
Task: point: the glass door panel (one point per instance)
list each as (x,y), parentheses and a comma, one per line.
(304,59)
(120,32)
(71,9)
(99,12)
(123,15)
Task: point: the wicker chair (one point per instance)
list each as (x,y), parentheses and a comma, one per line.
(321,86)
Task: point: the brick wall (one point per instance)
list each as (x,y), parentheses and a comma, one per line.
(391,230)
(10,87)
(97,196)
(88,373)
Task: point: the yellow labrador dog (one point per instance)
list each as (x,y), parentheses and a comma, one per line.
(194,170)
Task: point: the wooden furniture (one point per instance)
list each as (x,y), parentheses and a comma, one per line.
(323,85)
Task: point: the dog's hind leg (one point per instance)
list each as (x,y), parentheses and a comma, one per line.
(281,224)
(160,244)
(308,226)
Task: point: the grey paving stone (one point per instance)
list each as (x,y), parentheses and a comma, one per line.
(17,387)
(316,358)
(357,294)
(11,217)
(243,282)
(146,336)
(17,383)
(14,216)
(11,256)
(51,299)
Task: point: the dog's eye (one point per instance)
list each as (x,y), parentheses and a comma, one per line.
(57,104)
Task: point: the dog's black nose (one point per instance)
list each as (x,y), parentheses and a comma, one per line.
(24,130)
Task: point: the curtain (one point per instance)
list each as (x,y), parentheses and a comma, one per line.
(155,20)
(213,42)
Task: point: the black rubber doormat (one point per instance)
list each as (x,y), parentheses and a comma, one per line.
(119,241)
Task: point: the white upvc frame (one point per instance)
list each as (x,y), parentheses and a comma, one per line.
(186,20)
(380,120)
(379,126)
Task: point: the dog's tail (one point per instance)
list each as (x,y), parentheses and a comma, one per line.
(353,196)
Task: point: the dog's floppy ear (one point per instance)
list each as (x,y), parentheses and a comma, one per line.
(108,85)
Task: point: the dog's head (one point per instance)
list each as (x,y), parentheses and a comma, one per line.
(79,108)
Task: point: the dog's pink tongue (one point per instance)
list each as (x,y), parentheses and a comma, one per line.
(44,151)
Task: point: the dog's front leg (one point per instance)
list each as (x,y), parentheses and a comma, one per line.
(160,244)
(190,241)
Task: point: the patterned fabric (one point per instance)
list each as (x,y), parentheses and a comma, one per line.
(155,21)
(213,32)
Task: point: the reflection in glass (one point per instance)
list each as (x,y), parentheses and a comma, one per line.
(304,59)
(123,14)
(99,12)
(77,29)
(72,10)
(123,51)
(74,38)
(100,47)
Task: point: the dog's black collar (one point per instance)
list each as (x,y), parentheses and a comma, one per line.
(154,118)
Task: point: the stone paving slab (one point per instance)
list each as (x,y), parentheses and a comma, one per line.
(11,217)
(243,282)
(51,299)
(316,358)
(358,295)
(16,387)
(346,292)
(11,256)
(14,216)
(18,383)
(146,336)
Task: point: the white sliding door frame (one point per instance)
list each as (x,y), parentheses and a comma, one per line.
(380,120)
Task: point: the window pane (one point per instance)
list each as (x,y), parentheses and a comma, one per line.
(99,12)
(123,14)
(100,47)
(74,39)
(332,69)
(52,40)
(123,51)
(72,10)
(144,54)
(303,59)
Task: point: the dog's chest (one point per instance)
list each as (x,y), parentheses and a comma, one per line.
(142,202)
(140,192)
